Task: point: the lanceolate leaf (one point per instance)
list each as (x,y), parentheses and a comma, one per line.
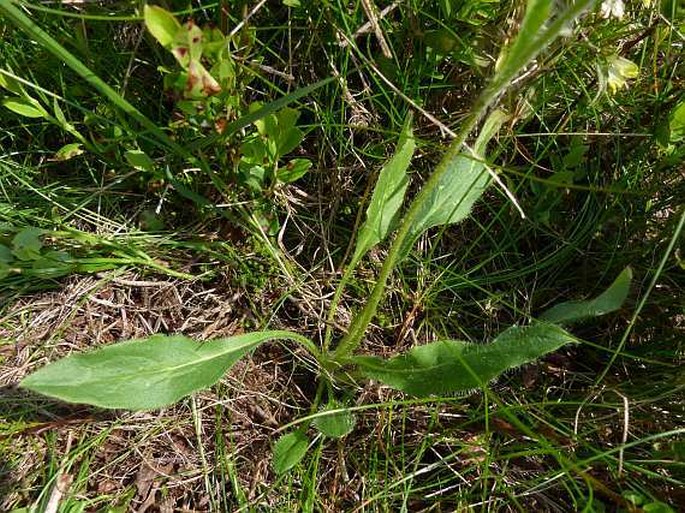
(161,24)
(388,195)
(289,451)
(451,200)
(335,421)
(608,301)
(454,366)
(144,374)
(25,108)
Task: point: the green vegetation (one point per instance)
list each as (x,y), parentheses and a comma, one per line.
(227,170)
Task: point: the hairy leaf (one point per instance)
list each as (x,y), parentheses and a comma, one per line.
(451,200)
(143,374)
(388,195)
(289,451)
(161,24)
(608,301)
(335,422)
(455,366)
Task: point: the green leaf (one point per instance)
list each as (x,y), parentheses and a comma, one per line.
(161,24)
(608,301)
(294,170)
(139,160)
(335,421)
(388,195)
(11,84)
(25,108)
(676,123)
(26,244)
(68,151)
(5,254)
(144,374)
(292,3)
(657,507)
(454,366)
(453,197)
(289,451)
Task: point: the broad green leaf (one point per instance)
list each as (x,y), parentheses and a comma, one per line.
(289,451)
(676,123)
(608,301)
(455,366)
(452,199)
(161,24)
(294,170)
(68,151)
(139,160)
(388,195)
(143,374)
(25,108)
(6,255)
(26,244)
(335,421)
(11,84)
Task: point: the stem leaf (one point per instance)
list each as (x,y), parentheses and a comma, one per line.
(454,366)
(144,374)
(608,301)
(388,195)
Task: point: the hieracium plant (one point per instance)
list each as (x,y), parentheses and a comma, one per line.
(160,370)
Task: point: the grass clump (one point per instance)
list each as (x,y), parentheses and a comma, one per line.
(210,210)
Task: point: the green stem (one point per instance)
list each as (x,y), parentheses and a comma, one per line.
(500,83)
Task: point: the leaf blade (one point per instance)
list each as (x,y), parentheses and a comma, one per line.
(289,451)
(143,374)
(388,194)
(608,301)
(452,366)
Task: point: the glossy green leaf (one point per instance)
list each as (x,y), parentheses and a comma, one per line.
(139,160)
(335,421)
(25,108)
(161,24)
(454,366)
(608,301)
(11,84)
(388,195)
(289,451)
(143,374)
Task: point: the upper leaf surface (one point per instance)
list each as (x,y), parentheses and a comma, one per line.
(453,366)
(608,301)
(161,24)
(388,195)
(143,374)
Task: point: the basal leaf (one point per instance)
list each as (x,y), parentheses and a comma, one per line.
(293,170)
(289,451)
(455,366)
(143,374)
(608,301)
(388,195)
(25,108)
(676,123)
(161,24)
(335,421)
